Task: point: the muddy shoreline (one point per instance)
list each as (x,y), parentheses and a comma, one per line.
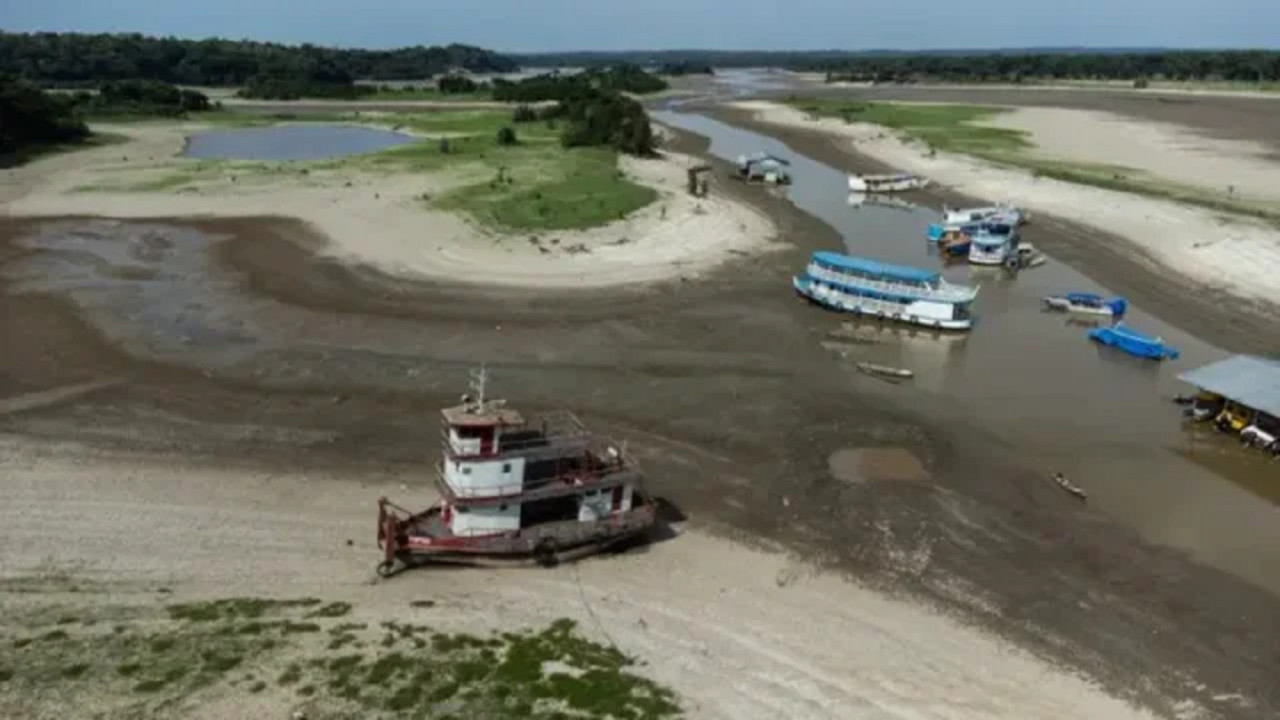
(1225,321)
(721,389)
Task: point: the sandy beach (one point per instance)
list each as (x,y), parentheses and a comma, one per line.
(739,633)
(1237,255)
(382,220)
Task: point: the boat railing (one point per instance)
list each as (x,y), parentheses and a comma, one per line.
(552,430)
(577,479)
(940,291)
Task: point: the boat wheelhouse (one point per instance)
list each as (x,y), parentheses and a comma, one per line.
(900,182)
(993,244)
(892,292)
(516,489)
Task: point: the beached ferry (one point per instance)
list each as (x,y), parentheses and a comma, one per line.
(514,491)
(891,292)
(900,182)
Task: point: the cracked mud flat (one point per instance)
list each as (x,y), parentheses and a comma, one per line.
(279,393)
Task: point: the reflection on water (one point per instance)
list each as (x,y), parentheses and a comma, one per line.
(292,142)
(1034,378)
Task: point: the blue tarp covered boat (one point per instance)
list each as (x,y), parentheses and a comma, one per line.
(1133,342)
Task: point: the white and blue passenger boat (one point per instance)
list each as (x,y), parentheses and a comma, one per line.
(993,244)
(891,292)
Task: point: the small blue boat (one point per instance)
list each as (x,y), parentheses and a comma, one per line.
(1133,342)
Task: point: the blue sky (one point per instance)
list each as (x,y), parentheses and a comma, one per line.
(534,25)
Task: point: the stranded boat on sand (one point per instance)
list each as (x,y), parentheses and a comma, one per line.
(900,182)
(517,491)
(891,292)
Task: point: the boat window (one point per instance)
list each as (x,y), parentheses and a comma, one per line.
(506,467)
(502,507)
(466,471)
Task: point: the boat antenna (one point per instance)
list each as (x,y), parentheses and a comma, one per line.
(478,380)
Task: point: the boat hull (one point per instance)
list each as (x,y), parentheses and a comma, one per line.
(1134,344)
(875,184)
(420,539)
(856,305)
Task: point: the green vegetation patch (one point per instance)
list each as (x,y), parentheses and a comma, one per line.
(945,127)
(550,673)
(234,608)
(143,663)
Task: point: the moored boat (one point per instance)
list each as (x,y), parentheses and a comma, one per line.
(514,491)
(1135,343)
(899,182)
(1087,304)
(892,292)
(993,213)
(993,244)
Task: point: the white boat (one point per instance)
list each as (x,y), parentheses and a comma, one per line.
(991,213)
(858,199)
(884,370)
(891,292)
(900,182)
(993,244)
(1087,304)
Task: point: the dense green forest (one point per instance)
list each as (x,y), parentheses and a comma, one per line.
(592,102)
(70,59)
(34,119)
(885,65)
(1240,66)
(150,98)
(556,86)
(686,68)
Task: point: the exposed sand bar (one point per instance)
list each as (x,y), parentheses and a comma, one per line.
(1237,255)
(738,633)
(381,219)
(1164,151)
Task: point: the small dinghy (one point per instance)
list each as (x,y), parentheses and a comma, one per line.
(884,370)
(1061,481)
(1087,304)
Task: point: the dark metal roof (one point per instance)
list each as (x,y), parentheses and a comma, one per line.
(1247,379)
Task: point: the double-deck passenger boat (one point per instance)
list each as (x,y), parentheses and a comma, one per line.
(892,292)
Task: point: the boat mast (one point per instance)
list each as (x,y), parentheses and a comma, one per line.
(478,380)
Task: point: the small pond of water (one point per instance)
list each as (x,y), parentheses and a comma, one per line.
(292,142)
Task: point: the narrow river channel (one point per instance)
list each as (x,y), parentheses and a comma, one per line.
(1033,378)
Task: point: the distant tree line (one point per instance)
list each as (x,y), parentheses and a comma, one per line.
(33,118)
(593,105)
(1243,66)
(141,97)
(564,87)
(1004,65)
(70,59)
(686,67)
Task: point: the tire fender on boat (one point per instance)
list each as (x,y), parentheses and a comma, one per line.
(545,552)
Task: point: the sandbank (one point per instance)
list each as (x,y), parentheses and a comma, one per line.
(382,219)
